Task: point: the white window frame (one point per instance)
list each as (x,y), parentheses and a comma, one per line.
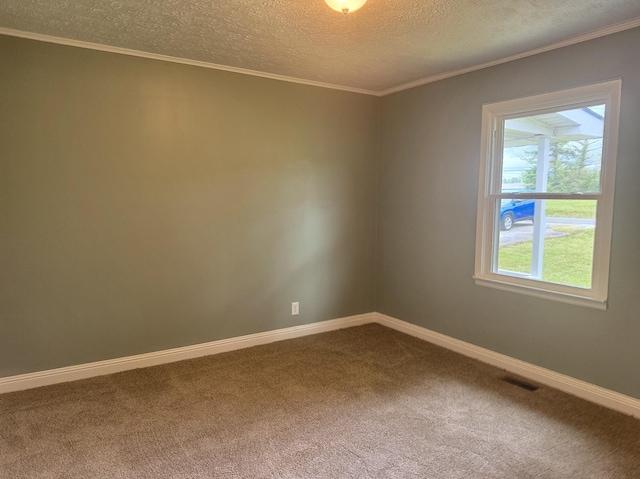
(490,183)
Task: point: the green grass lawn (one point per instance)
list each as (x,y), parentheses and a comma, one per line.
(567,259)
(571,208)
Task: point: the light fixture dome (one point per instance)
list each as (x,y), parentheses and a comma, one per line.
(345,6)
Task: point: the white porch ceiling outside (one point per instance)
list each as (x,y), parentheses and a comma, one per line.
(569,125)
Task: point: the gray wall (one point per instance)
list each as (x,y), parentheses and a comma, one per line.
(146,205)
(430,146)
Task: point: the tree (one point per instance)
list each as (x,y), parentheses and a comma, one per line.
(574,166)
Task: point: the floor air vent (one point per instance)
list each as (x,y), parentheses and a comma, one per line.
(520,384)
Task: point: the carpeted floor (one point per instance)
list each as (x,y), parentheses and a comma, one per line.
(362,402)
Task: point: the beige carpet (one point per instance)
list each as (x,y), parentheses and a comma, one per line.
(362,402)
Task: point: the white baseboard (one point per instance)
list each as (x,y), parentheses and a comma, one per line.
(100,368)
(575,387)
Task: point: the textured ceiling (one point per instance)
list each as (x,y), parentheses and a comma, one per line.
(385,44)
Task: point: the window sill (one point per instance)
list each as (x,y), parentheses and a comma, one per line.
(542,293)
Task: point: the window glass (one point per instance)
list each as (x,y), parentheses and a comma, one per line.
(557,152)
(545,201)
(564,254)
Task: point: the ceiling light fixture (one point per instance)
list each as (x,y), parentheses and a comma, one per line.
(345,6)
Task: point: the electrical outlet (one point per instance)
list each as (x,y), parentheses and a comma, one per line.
(295,308)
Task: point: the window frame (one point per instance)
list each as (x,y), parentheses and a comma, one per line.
(490,183)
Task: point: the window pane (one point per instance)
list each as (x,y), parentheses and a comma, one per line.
(551,240)
(558,152)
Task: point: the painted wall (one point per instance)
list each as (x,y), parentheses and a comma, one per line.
(146,205)
(430,146)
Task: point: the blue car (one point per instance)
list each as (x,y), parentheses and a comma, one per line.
(515,210)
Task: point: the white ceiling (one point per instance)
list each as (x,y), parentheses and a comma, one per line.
(383,47)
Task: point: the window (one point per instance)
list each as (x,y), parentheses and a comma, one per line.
(545,200)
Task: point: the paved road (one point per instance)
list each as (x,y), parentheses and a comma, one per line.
(524,231)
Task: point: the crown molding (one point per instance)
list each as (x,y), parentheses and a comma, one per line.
(183,61)
(618,27)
